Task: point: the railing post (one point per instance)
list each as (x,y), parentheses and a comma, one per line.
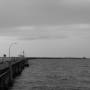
(11,72)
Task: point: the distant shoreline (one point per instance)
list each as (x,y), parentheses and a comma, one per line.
(58,57)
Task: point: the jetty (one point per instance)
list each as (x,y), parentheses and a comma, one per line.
(10,69)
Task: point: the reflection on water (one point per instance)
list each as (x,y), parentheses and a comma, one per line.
(55,74)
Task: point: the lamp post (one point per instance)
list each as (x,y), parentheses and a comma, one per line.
(10,49)
(10,64)
(23,53)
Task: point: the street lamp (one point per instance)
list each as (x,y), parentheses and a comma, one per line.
(23,53)
(10,48)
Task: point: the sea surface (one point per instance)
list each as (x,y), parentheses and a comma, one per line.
(55,74)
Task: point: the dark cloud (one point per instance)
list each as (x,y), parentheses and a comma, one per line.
(42,37)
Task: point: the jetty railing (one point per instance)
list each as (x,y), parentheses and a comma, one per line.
(10,70)
(4,80)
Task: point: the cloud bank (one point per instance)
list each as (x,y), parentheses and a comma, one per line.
(47,32)
(76,2)
(51,19)
(15,13)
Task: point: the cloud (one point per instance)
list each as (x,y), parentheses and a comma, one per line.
(41,32)
(47,32)
(15,13)
(76,2)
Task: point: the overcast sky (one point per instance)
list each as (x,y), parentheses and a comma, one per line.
(45,27)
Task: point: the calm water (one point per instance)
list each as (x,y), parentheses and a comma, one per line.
(55,74)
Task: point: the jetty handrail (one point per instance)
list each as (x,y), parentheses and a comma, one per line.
(3,74)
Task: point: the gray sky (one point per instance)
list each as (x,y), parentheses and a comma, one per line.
(46,27)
